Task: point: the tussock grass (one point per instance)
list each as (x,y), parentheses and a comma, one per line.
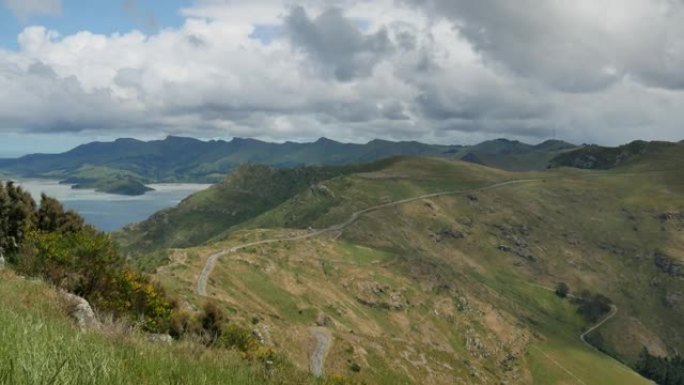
(40,346)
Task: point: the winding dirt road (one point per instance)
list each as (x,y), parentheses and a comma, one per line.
(583,336)
(212,259)
(323,343)
(321,335)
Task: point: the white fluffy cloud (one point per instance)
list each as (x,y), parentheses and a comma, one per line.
(25,8)
(436,70)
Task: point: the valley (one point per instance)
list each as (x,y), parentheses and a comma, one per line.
(458,285)
(431,270)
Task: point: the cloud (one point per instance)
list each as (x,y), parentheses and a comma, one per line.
(438,71)
(336,43)
(579,46)
(23,9)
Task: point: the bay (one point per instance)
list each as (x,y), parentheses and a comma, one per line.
(110,212)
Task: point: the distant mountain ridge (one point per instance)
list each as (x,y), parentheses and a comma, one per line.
(125,165)
(178,159)
(593,157)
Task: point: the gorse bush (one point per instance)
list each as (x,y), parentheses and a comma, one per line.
(132,294)
(48,242)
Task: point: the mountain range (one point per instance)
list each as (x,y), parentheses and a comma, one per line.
(124,166)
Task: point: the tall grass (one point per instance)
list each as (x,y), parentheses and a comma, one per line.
(38,346)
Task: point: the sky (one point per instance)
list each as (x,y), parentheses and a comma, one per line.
(437,71)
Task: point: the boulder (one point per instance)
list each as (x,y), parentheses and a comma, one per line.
(160,338)
(81,311)
(323,190)
(322,319)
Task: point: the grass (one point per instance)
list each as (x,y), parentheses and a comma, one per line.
(41,347)
(593,230)
(561,362)
(561,357)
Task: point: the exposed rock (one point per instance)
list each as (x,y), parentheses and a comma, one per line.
(668,265)
(258,336)
(81,311)
(475,346)
(322,319)
(373,294)
(160,338)
(447,233)
(323,190)
(472,198)
(519,251)
(2,260)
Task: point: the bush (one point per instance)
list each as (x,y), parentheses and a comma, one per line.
(562,289)
(592,306)
(133,294)
(184,324)
(212,319)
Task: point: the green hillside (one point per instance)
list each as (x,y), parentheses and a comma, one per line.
(595,157)
(248,191)
(513,155)
(458,287)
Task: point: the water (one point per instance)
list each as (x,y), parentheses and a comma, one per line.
(109,212)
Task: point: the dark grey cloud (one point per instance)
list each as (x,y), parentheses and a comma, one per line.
(574,47)
(533,39)
(337,43)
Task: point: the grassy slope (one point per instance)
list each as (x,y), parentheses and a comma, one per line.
(245,193)
(580,227)
(41,346)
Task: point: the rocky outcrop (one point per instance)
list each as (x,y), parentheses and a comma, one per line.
(374,294)
(517,238)
(81,311)
(447,233)
(668,265)
(323,190)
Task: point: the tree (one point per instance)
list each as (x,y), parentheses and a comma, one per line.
(592,306)
(52,217)
(17,216)
(562,289)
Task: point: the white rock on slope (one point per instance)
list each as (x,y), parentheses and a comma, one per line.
(81,312)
